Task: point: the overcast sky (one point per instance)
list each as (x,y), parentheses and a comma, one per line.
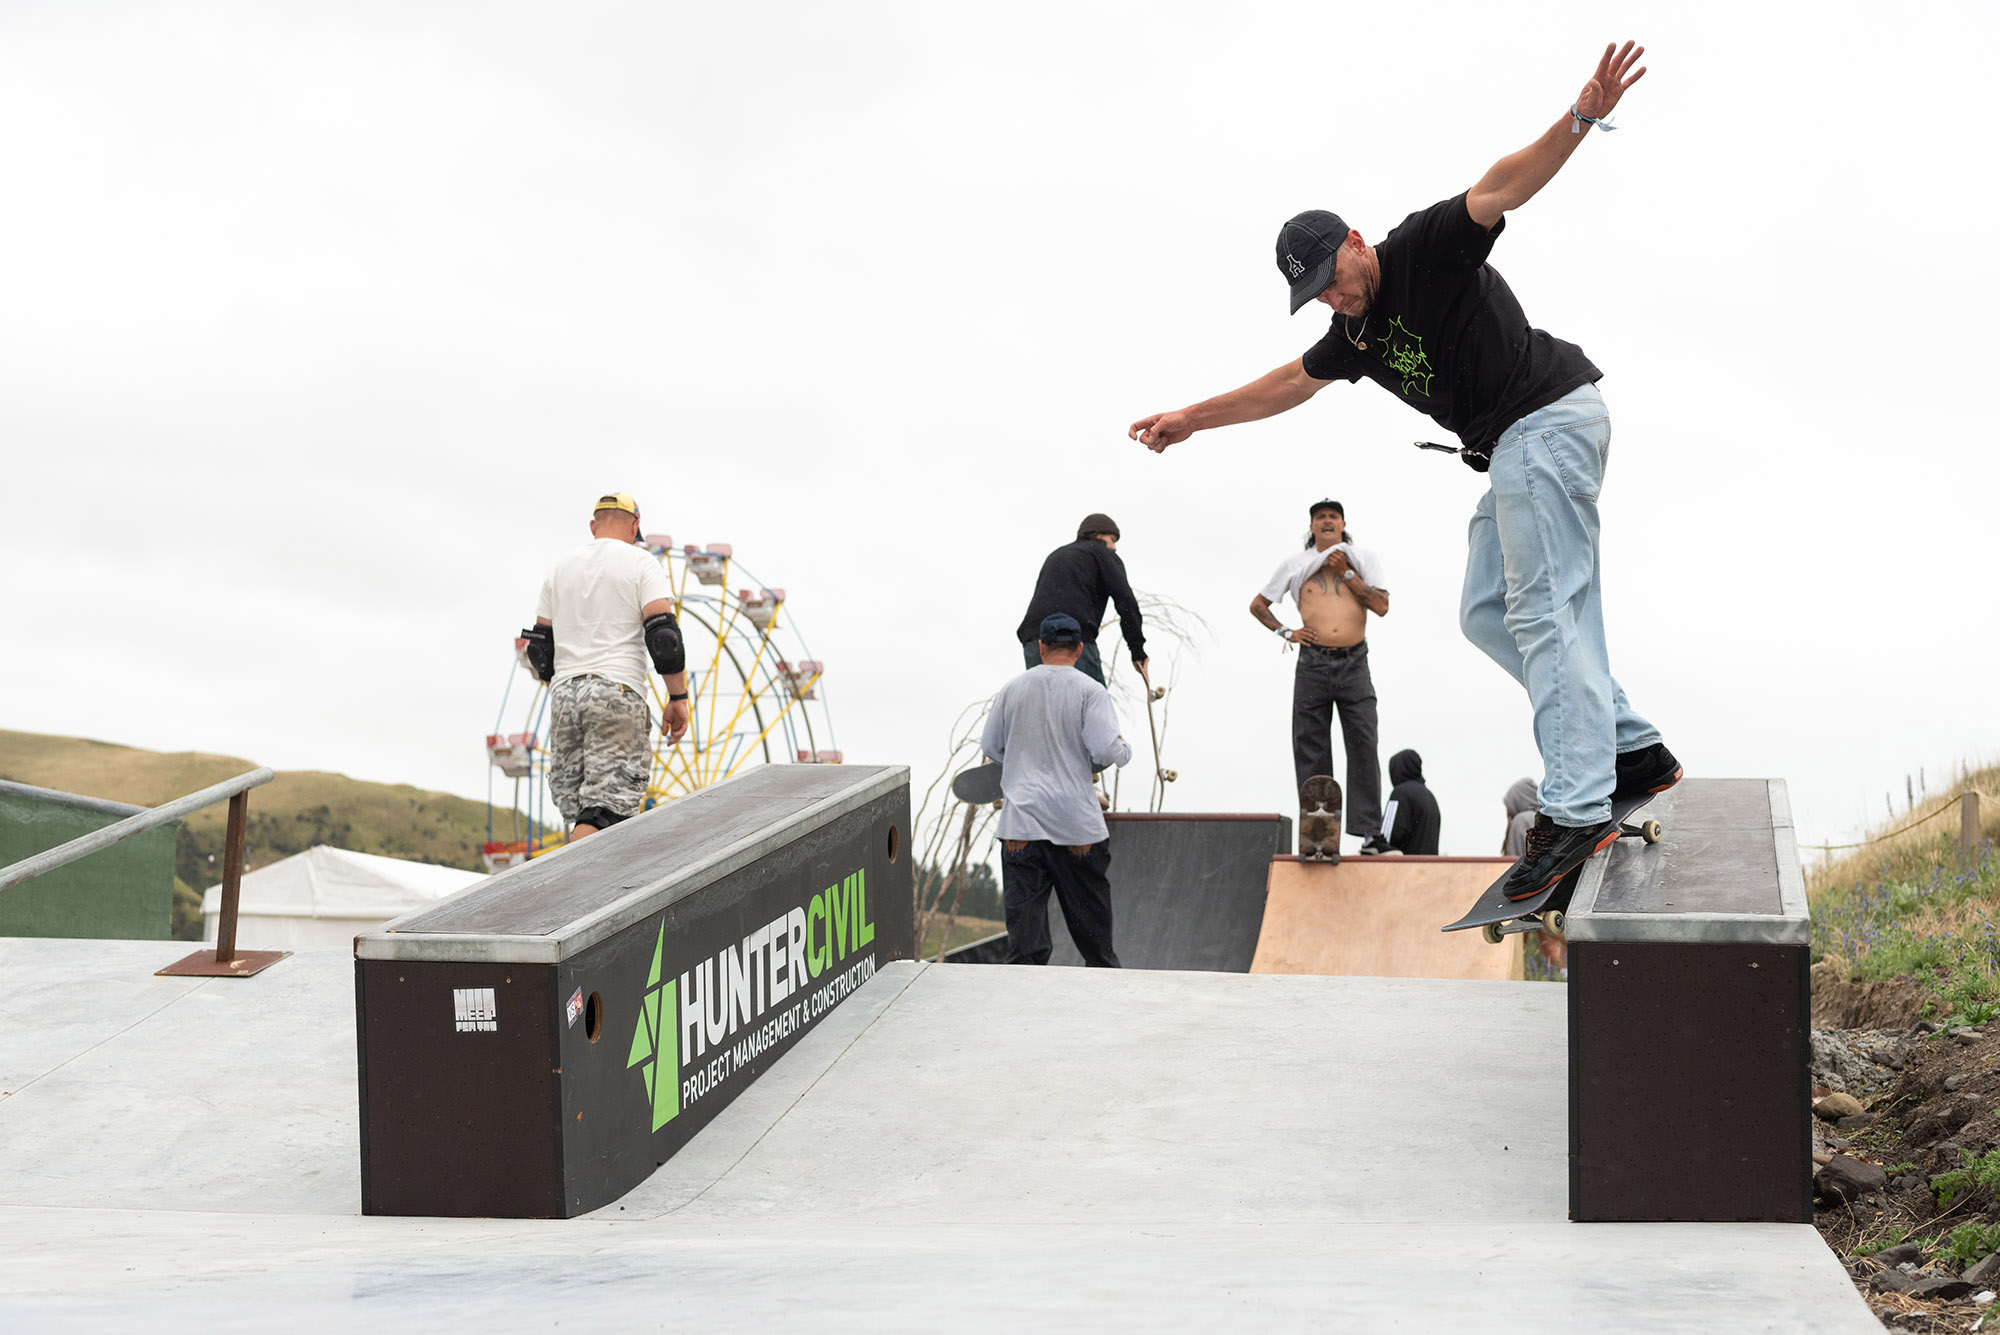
(322,324)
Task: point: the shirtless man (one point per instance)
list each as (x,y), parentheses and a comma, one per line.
(1335,585)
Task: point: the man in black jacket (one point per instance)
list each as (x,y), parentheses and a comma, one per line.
(1410,821)
(1077,580)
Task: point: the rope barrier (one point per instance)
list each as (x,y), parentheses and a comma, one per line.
(1949,803)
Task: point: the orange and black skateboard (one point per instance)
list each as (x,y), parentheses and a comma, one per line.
(1497,916)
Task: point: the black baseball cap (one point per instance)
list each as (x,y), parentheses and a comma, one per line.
(1061,628)
(1306,247)
(1334,506)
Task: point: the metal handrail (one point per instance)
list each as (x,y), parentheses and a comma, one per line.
(131,825)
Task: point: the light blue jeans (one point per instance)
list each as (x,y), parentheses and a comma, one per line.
(1531,600)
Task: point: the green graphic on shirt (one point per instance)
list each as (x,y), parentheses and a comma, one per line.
(1404,352)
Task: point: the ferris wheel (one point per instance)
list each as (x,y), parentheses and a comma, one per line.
(756,696)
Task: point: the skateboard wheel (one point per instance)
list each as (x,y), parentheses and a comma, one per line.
(1491,934)
(1650,832)
(1554,921)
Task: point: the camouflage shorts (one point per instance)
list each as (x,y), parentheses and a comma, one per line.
(600,752)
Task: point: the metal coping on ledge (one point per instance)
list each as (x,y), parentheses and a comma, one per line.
(1790,926)
(389,942)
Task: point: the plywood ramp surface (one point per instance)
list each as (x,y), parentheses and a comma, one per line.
(1379,916)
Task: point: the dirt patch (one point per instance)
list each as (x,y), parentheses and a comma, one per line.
(1839,1002)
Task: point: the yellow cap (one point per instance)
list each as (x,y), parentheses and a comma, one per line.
(617,500)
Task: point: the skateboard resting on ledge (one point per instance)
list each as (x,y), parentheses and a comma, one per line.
(1319,819)
(1497,916)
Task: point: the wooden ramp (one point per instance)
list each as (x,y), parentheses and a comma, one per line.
(1379,916)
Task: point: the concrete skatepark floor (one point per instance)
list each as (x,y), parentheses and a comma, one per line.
(956,1146)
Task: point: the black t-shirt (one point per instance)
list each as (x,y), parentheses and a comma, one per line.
(1446,335)
(1079,578)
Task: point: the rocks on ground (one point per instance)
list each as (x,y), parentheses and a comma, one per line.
(1895,1108)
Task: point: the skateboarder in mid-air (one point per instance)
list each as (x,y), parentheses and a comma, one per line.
(1048,728)
(1426,317)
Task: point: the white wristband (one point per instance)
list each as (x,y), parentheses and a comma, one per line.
(1282,633)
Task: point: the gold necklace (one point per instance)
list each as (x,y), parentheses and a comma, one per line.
(1360,344)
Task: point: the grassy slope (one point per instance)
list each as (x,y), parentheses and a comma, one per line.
(288,815)
(1911,903)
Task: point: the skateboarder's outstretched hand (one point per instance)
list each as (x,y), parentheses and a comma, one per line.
(1161,430)
(1610,81)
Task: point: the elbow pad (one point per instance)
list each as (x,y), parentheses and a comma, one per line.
(663,642)
(540,648)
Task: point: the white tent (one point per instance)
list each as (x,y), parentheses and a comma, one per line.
(326,896)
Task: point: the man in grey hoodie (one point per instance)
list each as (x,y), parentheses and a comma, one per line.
(1521,805)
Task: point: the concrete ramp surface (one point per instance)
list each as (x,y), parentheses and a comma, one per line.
(1379,916)
(1187,891)
(1159,1151)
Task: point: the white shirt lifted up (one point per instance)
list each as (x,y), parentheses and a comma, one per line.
(1293,570)
(592,599)
(1049,728)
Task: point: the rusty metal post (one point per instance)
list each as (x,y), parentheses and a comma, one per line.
(1968,820)
(226,961)
(232,878)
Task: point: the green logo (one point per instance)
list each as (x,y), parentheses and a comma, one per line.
(1404,352)
(656,1041)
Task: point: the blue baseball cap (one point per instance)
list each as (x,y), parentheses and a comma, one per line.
(1061,628)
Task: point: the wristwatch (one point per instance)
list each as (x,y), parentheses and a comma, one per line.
(1348,575)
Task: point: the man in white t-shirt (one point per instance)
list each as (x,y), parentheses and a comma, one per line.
(1335,585)
(605,609)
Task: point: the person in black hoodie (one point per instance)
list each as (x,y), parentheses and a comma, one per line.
(1410,820)
(1077,580)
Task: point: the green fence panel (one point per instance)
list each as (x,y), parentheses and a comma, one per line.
(125,891)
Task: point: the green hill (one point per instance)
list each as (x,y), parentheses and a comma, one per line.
(294,811)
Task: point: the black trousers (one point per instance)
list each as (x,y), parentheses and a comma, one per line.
(1082,886)
(1326,681)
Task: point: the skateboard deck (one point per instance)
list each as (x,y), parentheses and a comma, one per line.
(1496,915)
(977,786)
(980,784)
(1319,819)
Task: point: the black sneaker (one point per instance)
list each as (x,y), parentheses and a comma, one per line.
(1553,852)
(1650,769)
(1375,843)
